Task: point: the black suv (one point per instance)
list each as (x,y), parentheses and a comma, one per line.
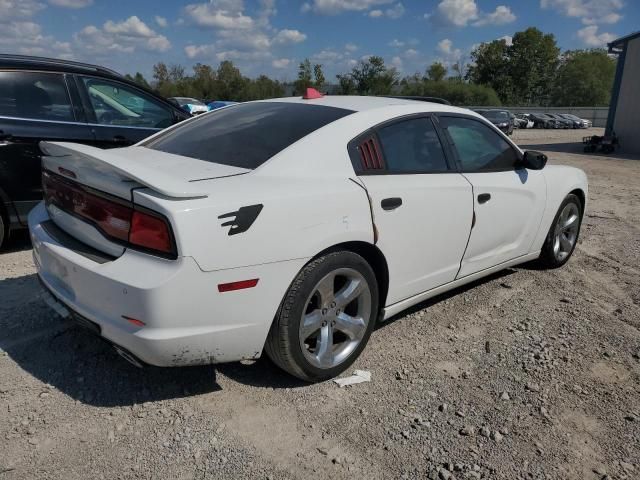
(48,99)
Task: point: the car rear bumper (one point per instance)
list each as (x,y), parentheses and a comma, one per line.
(182,318)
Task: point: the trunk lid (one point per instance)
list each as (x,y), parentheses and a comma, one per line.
(115,173)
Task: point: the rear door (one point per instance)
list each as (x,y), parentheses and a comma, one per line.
(422,207)
(34,106)
(508,200)
(119,114)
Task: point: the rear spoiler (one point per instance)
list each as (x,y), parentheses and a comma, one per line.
(142,173)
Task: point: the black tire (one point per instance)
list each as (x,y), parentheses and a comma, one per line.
(548,258)
(283,344)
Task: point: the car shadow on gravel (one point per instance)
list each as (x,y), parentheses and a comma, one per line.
(451,293)
(17,242)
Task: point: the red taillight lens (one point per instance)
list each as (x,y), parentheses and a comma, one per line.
(115,218)
(110,216)
(151,232)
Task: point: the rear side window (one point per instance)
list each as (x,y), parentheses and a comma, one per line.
(245,135)
(479,147)
(41,96)
(412,146)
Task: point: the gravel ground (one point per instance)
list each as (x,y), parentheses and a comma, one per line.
(526,374)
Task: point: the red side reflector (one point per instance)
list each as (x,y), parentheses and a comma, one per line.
(134,321)
(312,93)
(229,287)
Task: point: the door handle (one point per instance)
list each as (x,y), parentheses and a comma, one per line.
(391,203)
(484,198)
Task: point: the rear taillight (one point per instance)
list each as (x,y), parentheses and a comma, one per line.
(115,218)
(150,232)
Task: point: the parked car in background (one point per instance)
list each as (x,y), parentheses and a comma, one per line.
(500,118)
(172,250)
(580,122)
(563,122)
(541,120)
(523,120)
(190,105)
(215,104)
(50,99)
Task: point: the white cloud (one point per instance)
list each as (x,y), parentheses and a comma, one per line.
(71,3)
(450,54)
(351,47)
(590,36)
(394,12)
(411,53)
(507,38)
(460,13)
(124,36)
(589,11)
(395,43)
(15,9)
(287,37)
(336,7)
(280,63)
(227,14)
(397,63)
(501,16)
(161,21)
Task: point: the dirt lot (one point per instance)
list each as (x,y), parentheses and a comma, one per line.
(528,374)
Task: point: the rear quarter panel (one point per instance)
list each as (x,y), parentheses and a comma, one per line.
(300,218)
(561,180)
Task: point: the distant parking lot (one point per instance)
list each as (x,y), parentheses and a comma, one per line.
(526,374)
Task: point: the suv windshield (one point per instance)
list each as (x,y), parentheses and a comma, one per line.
(245,135)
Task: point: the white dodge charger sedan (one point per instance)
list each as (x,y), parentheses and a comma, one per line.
(290,226)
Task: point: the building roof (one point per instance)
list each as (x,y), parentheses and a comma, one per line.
(619,42)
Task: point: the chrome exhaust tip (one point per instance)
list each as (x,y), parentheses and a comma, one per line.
(128,357)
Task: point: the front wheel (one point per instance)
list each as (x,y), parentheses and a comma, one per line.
(563,235)
(326,317)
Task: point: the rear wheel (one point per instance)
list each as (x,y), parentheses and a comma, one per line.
(326,317)
(563,235)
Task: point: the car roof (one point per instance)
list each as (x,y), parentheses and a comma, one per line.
(54,64)
(363,103)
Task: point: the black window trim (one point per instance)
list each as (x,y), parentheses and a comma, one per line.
(352,148)
(65,80)
(90,115)
(454,151)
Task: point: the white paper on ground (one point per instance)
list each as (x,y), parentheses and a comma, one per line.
(358,376)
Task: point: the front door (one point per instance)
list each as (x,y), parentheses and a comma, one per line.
(422,208)
(508,200)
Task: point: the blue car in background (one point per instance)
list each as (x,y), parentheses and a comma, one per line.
(219,104)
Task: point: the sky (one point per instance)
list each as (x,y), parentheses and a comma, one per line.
(273,36)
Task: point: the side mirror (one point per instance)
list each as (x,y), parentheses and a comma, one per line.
(534,160)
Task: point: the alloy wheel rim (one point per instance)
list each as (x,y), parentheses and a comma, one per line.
(335,318)
(566,231)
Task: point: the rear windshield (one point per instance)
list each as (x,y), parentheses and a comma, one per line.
(245,135)
(496,115)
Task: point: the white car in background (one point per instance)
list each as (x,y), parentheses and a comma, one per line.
(291,226)
(190,105)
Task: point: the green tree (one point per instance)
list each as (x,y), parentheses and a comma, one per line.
(490,66)
(584,78)
(203,81)
(319,76)
(521,73)
(347,85)
(454,90)
(533,62)
(436,72)
(305,77)
(139,79)
(230,84)
(370,77)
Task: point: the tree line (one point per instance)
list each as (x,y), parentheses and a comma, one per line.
(531,70)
